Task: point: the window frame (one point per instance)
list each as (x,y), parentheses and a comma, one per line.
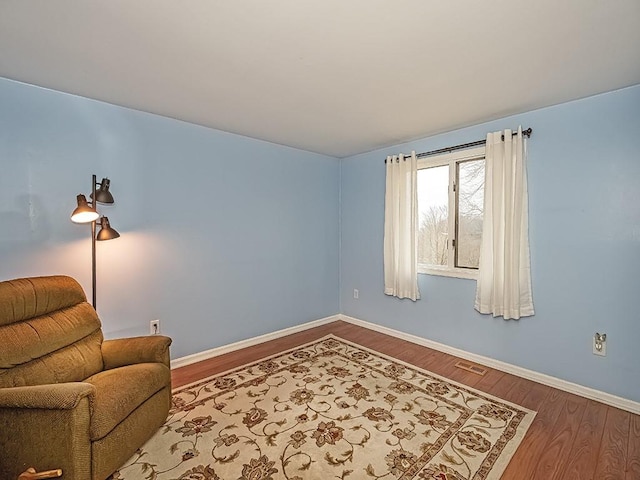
(452,159)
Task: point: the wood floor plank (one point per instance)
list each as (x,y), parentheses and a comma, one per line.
(612,458)
(561,440)
(583,457)
(526,458)
(503,386)
(488,381)
(523,389)
(633,457)
(535,397)
(601,445)
(446,368)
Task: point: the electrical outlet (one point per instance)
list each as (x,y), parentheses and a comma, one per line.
(154,327)
(600,344)
(356,293)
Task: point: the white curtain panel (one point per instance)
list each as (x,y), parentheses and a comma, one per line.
(504,275)
(400,227)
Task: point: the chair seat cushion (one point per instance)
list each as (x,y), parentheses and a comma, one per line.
(120,391)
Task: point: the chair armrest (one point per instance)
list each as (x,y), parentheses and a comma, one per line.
(56,396)
(47,424)
(130,351)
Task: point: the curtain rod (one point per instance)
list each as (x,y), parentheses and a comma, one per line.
(527,133)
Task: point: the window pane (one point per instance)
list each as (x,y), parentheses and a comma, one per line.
(433,200)
(470,208)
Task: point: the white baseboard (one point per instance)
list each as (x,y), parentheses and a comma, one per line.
(249,342)
(593,394)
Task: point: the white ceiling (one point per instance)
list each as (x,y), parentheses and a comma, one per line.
(337,77)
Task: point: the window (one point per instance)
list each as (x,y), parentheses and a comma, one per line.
(450,208)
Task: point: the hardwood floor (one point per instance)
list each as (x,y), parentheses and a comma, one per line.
(571,438)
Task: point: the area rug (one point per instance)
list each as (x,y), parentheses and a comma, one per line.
(331,409)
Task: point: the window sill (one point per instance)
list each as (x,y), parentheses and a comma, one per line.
(445,272)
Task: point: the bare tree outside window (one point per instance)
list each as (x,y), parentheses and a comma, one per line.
(470,196)
(433,201)
(450,209)
(433,236)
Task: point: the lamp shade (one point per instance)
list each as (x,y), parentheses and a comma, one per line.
(103,195)
(106,232)
(84,213)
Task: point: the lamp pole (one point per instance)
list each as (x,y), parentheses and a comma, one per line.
(93,243)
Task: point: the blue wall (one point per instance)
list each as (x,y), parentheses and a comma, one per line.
(223,237)
(226,237)
(584,214)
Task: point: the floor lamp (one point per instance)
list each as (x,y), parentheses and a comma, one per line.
(86,212)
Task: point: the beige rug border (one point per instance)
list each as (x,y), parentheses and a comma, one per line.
(507,453)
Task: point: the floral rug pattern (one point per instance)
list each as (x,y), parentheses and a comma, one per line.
(330,410)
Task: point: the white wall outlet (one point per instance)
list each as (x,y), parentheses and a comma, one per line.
(154,327)
(356,293)
(600,344)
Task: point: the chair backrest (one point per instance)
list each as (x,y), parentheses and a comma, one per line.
(48,332)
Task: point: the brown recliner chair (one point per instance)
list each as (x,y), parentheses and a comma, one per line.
(68,398)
